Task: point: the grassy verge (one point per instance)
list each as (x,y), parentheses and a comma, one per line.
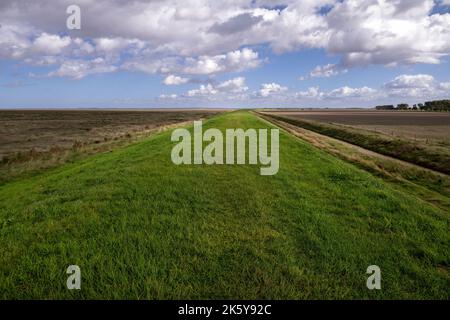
(400,149)
(428,185)
(141,228)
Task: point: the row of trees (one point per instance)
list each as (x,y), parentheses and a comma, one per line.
(438,105)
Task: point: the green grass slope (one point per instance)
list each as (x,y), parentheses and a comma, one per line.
(142,228)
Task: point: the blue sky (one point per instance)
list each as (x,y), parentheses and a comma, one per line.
(233,54)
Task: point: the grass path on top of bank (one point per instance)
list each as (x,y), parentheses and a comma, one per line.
(140,227)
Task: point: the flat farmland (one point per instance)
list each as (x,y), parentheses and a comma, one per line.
(361,117)
(42,130)
(421,138)
(428,127)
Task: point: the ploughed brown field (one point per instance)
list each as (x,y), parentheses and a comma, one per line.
(42,130)
(421,138)
(432,128)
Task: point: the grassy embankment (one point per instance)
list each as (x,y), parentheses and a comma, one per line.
(428,185)
(141,228)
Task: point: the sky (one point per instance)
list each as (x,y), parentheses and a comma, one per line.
(228,53)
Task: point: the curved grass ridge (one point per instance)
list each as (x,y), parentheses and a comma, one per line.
(141,228)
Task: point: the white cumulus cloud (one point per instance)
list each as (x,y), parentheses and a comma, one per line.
(418,85)
(205,37)
(172,80)
(229,89)
(269,89)
(326,71)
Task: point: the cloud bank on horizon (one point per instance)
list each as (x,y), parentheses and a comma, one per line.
(225,53)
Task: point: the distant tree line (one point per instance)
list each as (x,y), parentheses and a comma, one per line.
(438,105)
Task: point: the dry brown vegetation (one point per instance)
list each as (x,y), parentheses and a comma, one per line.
(42,130)
(32,140)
